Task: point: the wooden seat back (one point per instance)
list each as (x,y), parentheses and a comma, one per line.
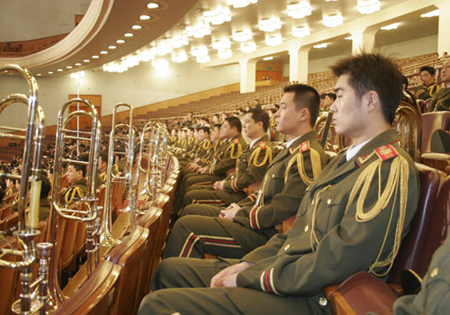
(430,123)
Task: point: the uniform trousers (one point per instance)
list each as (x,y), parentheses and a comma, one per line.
(201,209)
(182,285)
(209,195)
(195,236)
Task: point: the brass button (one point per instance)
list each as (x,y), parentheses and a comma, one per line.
(287,247)
(329,201)
(273,175)
(312,203)
(306,228)
(323,301)
(434,272)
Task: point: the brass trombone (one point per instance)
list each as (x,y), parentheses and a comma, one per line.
(106,236)
(88,210)
(32,298)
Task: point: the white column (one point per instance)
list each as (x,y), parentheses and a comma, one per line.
(444,27)
(363,40)
(248,75)
(298,64)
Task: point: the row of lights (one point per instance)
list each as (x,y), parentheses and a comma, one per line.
(143,17)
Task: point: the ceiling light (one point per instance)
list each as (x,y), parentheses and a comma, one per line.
(199,30)
(136,27)
(95,57)
(368,6)
(179,57)
(147,55)
(219,16)
(115,67)
(144,17)
(163,48)
(248,47)
(78,64)
(240,3)
(69,67)
(225,54)
(131,61)
(333,20)
(221,44)
(112,47)
(203,59)
(120,41)
(152,5)
(242,35)
(128,34)
(301,31)
(178,41)
(86,60)
(274,39)
(389,27)
(50,72)
(59,70)
(268,58)
(160,64)
(104,52)
(269,24)
(199,51)
(39,75)
(430,14)
(349,38)
(320,46)
(77,75)
(298,10)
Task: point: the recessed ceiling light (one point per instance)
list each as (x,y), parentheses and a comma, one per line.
(86,60)
(78,64)
(128,35)
(152,5)
(144,17)
(38,74)
(50,72)
(60,70)
(120,41)
(268,58)
(319,46)
(69,67)
(389,27)
(112,47)
(430,14)
(136,27)
(95,57)
(104,52)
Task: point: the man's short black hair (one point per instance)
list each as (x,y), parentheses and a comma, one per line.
(260,115)
(373,72)
(430,70)
(205,129)
(405,81)
(305,97)
(234,122)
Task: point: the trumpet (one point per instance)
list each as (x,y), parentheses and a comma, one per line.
(87,212)
(106,236)
(26,233)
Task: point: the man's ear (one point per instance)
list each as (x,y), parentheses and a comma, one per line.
(373,100)
(304,114)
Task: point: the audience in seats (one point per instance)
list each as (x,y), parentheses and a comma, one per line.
(352,217)
(238,229)
(429,86)
(76,177)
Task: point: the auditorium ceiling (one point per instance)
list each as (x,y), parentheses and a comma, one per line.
(215,33)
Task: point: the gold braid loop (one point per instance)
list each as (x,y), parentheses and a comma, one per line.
(255,155)
(72,194)
(312,236)
(397,183)
(315,164)
(232,153)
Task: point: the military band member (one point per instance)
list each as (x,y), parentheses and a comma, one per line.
(250,166)
(351,219)
(76,177)
(241,228)
(231,130)
(429,87)
(441,101)
(102,168)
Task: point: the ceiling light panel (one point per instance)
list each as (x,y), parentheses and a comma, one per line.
(240,3)
(299,10)
(218,16)
(242,35)
(248,47)
(333,19)
(274,39)
(269,24)
(301,31)
(368,6)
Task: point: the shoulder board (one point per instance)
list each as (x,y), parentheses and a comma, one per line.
(386,152)
(262,145)
(236,141)
(304,146)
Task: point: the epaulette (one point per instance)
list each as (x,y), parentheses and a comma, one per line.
(262,145)
(255,155)
(73,194)
(236,141)
(315,160)
(302,147)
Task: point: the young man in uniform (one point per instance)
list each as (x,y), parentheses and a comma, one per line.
(352,218)
(251,166)
(76,177)
(244,226)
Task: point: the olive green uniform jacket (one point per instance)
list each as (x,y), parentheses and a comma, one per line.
(74,192)
(441,101)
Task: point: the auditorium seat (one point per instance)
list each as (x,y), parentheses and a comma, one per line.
(430,123)
(363,293)
(96,296)
(9,280)
(129,255)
